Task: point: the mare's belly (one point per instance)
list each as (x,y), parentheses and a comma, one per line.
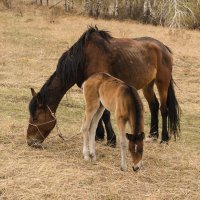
(136,67)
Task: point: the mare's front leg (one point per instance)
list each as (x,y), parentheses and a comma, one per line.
(111,137)
(100,131)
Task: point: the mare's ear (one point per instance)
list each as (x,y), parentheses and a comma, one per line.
(33,92)
(129,136)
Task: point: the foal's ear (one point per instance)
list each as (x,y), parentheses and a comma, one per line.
(129,136)
(143,135)
(33,92)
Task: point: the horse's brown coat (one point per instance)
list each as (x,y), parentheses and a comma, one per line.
(138,62)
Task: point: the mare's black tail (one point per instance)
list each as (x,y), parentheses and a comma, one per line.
(174,111)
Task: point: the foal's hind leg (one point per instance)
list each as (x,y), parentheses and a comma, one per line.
(154,108)
(92,131)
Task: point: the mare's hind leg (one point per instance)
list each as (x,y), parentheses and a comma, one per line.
(163,91)
(154,108)
(92,131)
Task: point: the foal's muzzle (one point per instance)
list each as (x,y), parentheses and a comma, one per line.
(137,166)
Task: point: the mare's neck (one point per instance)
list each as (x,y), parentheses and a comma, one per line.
(56,92)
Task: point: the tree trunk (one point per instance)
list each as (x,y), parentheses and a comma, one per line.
(88,7)
(146,11)
(116,8)
(97,8)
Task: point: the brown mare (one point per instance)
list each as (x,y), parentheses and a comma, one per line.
(138,62)
(104,91)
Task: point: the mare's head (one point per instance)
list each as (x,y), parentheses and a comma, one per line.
(41,120)
(136,149)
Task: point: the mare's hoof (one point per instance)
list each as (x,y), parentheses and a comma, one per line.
(151,139)
(111,143)
(99,138)
(37,146)
(164,142)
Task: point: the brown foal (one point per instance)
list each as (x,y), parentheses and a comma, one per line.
(102,91)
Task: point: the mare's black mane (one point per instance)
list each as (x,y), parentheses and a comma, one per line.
(69,67)
(71,62)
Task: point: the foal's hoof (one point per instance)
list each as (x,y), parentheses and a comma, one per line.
(123,168)
(86,157)
(92,157)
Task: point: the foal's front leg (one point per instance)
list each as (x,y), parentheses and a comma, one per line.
(85,130)
(92,132)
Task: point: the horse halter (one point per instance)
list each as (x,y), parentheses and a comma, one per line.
(53,120)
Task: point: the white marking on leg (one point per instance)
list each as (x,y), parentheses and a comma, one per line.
(85,146)
(92,132)
(85,130)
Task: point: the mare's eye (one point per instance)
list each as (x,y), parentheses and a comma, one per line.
(34,119)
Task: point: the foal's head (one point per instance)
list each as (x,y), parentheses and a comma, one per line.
(41,120)
(136,149)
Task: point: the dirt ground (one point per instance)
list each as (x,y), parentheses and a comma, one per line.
(30,46)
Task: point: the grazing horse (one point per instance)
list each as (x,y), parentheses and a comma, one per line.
(138,62)
(104,91)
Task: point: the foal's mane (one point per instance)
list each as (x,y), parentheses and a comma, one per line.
(70,65)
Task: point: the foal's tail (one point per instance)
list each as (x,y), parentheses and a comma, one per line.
(138,109)
(174,111)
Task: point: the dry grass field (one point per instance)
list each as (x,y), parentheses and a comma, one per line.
(29,50)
